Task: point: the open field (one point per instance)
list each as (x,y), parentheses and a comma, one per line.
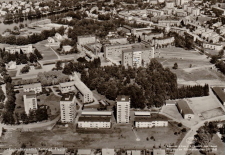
(179,53)
(12,73)
(121,136)
(213,113)
(46,52)
(216,141)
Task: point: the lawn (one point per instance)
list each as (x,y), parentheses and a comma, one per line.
(216,141)
(213,113)
(121,136)
(52,101)
(46,52)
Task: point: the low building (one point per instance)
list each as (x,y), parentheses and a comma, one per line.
(123,109)
(51,40)
(36,87)
(67,108)
(26,49)
(96,113)
(150,121)
(170,103)
(30,102)
(185,110)
(169,22)
(31,152)
(149,36)
(159,152)
(163,42)
(94,122)
(216,47)
(66,48)
(84,152)
(195,11)
(142,113)
(220,94)
(155,12)
(137,57)
(61,151)
(86,39)
(58,36)
(125,28)
(107,151)
(118,40)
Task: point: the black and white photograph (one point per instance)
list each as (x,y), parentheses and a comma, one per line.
(112,77)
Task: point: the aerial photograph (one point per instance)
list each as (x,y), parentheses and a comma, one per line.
(112,77)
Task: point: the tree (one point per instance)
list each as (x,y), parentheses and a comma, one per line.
(38,54)
(2,95)
(32,58)
(25,69)
(184,130)
(179,124)
(21,26)
(175,66)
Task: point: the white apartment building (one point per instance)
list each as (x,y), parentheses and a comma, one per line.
(149,122)
(216,47)
(36,87)
(30,102)
(123,109)
(25,49)
(79,87)
(94,122)
(67,108)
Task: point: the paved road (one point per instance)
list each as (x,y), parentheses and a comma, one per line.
(191,133)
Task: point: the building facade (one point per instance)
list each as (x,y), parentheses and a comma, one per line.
(37,88)
(216,47)
(123,109)
(137,57)
(25,49)
(30,102)
(94,122)
(67,108)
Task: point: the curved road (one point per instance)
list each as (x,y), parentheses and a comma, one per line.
(191,133)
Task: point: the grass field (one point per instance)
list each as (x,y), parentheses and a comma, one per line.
(12,73)
(213,113)
(121,136)
(46,52)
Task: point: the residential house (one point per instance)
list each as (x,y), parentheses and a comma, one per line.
(26,49)
(185,110)
(67,48)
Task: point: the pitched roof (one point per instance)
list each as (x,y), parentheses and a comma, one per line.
(67,84)
(184,106)
(220,93)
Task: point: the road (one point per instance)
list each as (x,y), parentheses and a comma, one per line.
(191,133)
(31,126)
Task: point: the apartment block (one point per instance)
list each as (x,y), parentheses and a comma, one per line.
(67,108)
(123,109)
(137,57)
(37,88)
(25,49)
(30,102)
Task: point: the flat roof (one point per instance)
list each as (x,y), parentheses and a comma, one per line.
(67,97)
(104,113)
(142,113)
(83,151)
(67,84)
(220,93)
(94,119)
(85,36)
(159,152)
(185,107)
(123,98)
(31,151)
(150,118)
(81,86)
(31,85)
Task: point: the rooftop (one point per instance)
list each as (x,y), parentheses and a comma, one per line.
(159,152)
(99,113)
(31,151)
(142,113)
(151,118)
(184,106)
(67,84)
(123,98)
(220,93)
(85,36)
(94,119)
(83,151)
(137,49)
(32,85)
(67,97)
(58,151)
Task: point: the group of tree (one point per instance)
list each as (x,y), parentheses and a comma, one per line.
(25,69)
(30,39)
(20,58)
(52,77)
(204,136)
(221,66)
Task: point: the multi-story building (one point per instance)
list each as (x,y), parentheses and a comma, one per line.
(161,42)
(169,4)
(185,110)
(216,47)
(25,49)
(137,57)
(67,108)
(94,122)
(79,87)
(30,102)
(86,39)
(150,121)
(36,87)
(123,109)
(115,51)
(141,31)
(148,37)
(155,12)
(169,22)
